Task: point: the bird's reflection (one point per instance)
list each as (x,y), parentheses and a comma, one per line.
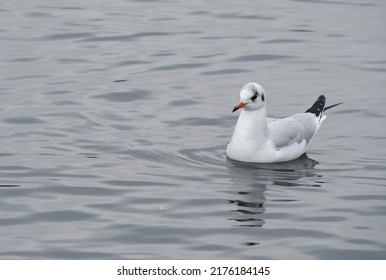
(251,181)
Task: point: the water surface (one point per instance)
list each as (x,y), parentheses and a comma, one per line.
(115,118)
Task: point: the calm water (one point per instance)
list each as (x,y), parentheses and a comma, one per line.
(115,116)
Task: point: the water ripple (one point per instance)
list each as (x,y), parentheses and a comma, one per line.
(124,96)
(261,57)
(116,117)
(127,37)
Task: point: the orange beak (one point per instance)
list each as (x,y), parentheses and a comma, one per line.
(238,106)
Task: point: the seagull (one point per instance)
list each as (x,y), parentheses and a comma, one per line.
(258,139)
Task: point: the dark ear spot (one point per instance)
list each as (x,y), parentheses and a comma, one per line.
(262,97)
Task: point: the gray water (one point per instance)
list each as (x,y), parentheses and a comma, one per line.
(115,116)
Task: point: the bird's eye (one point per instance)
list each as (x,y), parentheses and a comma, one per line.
(253,98)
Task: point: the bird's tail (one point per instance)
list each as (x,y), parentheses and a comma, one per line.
(318,108)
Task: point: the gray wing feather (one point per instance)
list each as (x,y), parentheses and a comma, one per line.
(296,128)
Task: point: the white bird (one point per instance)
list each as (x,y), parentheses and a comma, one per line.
(259,139)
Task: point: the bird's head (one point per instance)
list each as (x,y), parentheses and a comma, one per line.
(252,97)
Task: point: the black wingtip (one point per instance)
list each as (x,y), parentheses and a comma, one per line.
(332,106)
(318,107)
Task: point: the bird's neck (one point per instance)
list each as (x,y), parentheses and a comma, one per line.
(252,124)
